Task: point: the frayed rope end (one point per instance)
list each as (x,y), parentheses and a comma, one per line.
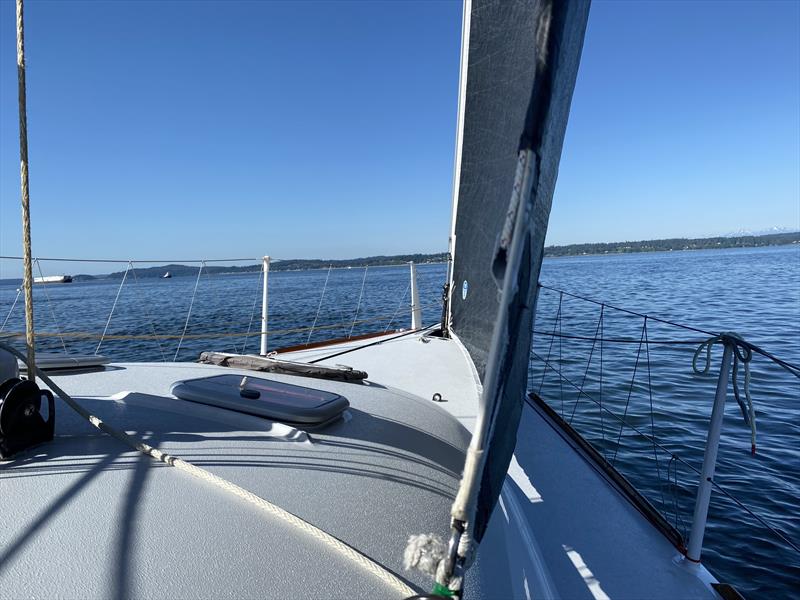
(424,552)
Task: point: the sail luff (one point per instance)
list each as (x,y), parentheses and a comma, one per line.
(553,32)
(462,96)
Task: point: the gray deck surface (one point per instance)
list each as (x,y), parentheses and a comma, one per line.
(569,506)
(85,517)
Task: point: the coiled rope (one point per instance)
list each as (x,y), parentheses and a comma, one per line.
(345,551)
(743,353)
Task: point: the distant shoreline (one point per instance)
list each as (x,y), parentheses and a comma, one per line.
(570,250)
(674,245)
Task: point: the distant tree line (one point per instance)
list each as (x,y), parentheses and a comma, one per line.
(277,265)
(673,244)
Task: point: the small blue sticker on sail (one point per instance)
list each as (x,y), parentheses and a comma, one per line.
(464,290)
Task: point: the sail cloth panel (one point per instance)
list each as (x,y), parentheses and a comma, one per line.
(500,76)
(523,62)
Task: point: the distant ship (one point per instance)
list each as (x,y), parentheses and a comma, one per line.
(53,279)
(167,275)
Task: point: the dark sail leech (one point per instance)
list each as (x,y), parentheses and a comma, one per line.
(523,62)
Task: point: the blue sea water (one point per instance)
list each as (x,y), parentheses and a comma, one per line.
(755,292)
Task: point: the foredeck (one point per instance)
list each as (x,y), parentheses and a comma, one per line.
(586,537)
(85,517)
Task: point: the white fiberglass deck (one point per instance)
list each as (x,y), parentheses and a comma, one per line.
(85,517)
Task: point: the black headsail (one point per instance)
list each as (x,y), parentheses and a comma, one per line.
(522,64)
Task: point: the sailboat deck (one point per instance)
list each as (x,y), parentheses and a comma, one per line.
(583,534)
(85,517)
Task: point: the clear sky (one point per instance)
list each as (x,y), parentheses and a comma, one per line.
(326,129)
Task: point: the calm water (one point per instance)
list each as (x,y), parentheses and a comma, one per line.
(754,292)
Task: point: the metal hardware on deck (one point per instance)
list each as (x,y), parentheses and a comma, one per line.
(416,309)
(453,562)
(264,308)
(22,425)
(710,458)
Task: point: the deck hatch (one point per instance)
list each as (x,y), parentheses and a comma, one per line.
(274,400)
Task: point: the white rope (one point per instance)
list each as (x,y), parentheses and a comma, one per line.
(13,304)
(253,308)
(741,353)
(189,314)
(50,305)
(113,306)
(147,314)
(335,544)
(324,287)
(27,265)
(358,306)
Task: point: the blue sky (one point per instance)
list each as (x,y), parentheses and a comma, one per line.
(320,129)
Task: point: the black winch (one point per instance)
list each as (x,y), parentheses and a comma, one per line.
(21,422)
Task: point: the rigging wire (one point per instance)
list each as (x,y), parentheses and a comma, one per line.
(677,457)
(589,363)
(253,308)
(113,306)
(399,306)
(552,339)
(316,316)
(628,401)
(379,342)
(358,305)
(790,367)
(13,304)
(652,418)
(50,305)
(189,314)
(149,318)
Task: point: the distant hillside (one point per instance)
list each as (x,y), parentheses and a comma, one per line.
(281,265)
(744,241)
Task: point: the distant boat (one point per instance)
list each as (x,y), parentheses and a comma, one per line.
(53,279)
(166,275)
